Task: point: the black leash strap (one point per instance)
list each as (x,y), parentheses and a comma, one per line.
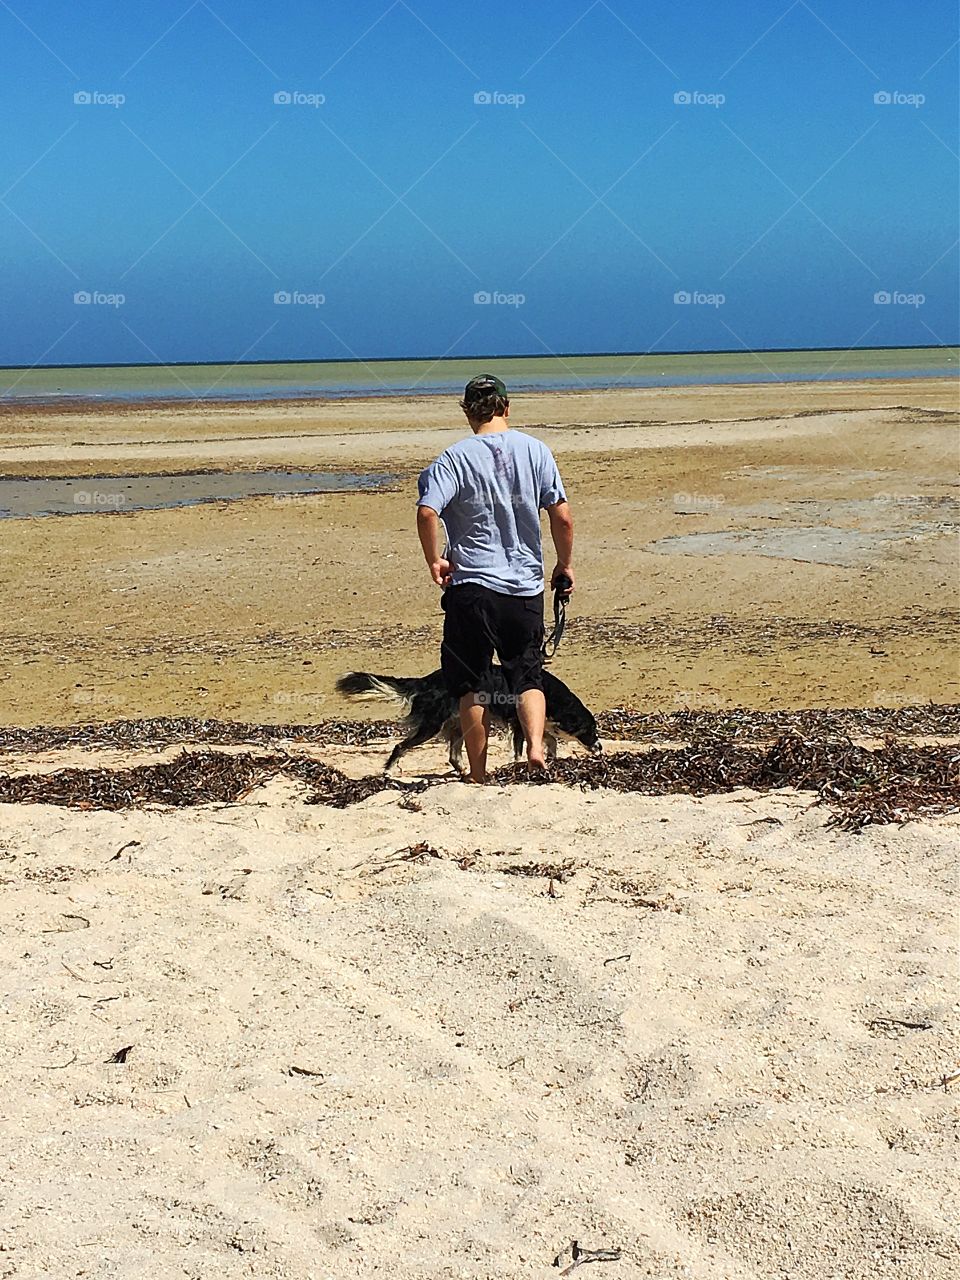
(552,642)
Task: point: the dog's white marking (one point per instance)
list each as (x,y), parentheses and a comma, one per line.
(382,691)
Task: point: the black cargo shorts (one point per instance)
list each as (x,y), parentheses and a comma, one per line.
(478,622)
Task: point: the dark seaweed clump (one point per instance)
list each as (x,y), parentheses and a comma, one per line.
(193,778)
(892,783)
(895,782)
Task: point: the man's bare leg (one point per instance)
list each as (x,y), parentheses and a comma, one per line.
(475,723)
(532,710)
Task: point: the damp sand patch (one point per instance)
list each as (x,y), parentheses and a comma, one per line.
(60,496)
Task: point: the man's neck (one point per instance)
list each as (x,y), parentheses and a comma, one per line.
(488,428)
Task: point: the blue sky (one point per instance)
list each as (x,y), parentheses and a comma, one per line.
(781,198)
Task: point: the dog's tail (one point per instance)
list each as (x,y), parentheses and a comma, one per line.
(361,684)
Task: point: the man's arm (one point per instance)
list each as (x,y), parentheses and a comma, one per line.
(561,530)
(431,540)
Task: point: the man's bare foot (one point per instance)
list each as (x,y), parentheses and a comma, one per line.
(468,777)
(536,762)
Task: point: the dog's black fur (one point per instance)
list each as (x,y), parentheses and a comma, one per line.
(432,711)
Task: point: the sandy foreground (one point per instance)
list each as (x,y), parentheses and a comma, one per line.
(444,1035)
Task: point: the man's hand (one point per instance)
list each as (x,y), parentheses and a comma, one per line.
(561,530)
(441,571)
(429,529)
(562,571)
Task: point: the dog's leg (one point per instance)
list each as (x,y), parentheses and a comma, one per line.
(518,741)
(423,733)
(395,754)
(550,745)
(455,741)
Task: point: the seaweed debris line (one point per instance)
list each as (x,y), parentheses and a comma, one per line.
(894,782)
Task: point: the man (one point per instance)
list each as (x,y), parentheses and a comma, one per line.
(489,490)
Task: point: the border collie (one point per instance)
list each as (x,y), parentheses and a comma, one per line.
(431,711)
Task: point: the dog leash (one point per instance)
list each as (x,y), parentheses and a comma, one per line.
(560,595)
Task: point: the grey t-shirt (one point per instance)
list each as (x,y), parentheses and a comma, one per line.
(489,490)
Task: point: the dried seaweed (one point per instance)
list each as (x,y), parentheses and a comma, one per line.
(560,871)
(165,731)
(688,725)
(891,783)
(684,725)
(756,635)
(194,777)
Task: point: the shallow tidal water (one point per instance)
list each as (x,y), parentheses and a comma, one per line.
(89,495)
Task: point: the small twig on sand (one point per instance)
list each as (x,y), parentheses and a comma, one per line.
(120,1055)
(72,928)
(72,972)
(581,1256)
(303,1071)
(412,853)
(58,1066)
(950,1078)
(626,956)
(890,1024)
(131,844)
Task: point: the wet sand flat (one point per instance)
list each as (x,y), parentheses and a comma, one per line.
(250,609)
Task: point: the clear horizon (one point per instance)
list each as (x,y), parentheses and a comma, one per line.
(201,183)
(482,355)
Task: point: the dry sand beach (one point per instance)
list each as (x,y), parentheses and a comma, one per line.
(444,1034)
(432,1031)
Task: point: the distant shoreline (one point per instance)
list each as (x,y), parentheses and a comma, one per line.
(446,359)
(258,382)
(140,404)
